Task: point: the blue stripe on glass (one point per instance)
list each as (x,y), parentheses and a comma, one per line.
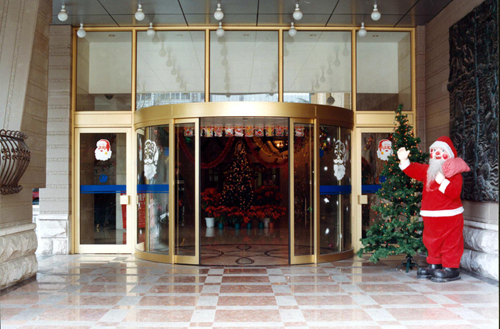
(156,188)
(366,189)
(96,189)
(335,189)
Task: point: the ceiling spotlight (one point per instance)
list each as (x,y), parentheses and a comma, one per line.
(375,13)
(63,15)
(139,14)
(292,32)
(362,30)
(220,30)
(297,14)
(81,32)
(151,31)
(219,14)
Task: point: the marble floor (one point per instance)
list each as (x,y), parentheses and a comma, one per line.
(121,291)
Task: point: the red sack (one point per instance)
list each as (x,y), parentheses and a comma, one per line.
(454,166)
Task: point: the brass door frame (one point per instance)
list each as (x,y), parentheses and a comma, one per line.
(303,259)
(182,259)
(131,229)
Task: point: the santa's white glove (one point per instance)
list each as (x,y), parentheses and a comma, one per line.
(439,178)
(403,154)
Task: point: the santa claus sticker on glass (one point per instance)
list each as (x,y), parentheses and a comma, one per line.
(340,160)
(150,159)
(103,150)
(384,149)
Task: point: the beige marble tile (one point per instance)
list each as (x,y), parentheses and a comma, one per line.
(402,299)
(336,315)
(159,316)
(325,300)
(90,300)
(80,314)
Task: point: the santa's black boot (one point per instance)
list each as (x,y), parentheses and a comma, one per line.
(446,274)
(427,272)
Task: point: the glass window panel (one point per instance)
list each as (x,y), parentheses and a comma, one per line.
(244,66)
(335,189)
(384,71)
(153,189)
(103,171)
(170,68)
(303,164)
(104,74)
(317,68)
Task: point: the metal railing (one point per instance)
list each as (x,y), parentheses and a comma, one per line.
(14,160)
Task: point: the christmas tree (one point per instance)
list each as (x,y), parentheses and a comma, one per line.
(238,187)
(397,229)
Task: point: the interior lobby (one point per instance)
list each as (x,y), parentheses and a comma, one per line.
(214,163)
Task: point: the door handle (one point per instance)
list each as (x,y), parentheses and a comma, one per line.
(362,199)
(125,199)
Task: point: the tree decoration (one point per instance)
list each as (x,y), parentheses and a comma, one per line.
(238,186)
(397,229)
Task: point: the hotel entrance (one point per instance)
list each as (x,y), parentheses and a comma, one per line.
(229,163)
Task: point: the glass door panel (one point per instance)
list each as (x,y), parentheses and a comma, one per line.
(375,150)
(335,189)
(187,191)
(153,214)
(103,201)
(302,191)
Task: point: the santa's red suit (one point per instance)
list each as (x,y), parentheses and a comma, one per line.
(441,210)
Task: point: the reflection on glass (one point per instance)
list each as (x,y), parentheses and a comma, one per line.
(152,189)
(303,189)
(317,68)
(185,223)
(335,189)
(244,66)
(384,56)
(170,68)
(103,158)
(104,78)
(375,150)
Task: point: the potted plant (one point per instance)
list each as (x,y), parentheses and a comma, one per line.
(238,217)
(209,201)
(254,212)
(220,214)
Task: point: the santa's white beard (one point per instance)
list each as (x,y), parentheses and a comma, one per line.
(339,171)
(102,156)
(385,156)
(435,166)
(149,170)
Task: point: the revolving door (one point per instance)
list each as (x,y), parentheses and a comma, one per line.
(243,184)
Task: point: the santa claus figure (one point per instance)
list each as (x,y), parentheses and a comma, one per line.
(150,159)
(441,208)
(384,149)
(103,150)
(339,162)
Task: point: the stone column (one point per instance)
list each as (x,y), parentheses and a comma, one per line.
(53,223)
(23,106)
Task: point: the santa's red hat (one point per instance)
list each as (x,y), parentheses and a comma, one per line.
(446,144)
(105,142)
(384,141)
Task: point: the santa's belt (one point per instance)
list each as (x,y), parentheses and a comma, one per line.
(441,213)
